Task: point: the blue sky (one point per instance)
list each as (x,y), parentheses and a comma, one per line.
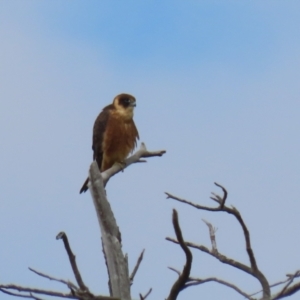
(217,86)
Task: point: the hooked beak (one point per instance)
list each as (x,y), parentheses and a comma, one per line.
(132,104)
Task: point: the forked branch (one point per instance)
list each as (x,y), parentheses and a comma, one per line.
(79,293)
(143,297)
(253,269)
(197,281)
(289,290)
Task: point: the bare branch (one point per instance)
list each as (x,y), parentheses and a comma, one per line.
(72,259)
(286,290)
(79,295)
(68,283)
(271,286)
(290,281)
(145,296)
(14,294)
(36,291)
(184,276)
(212,235)
(197,281)
(254,271)
(135,158)
(222,204)
(170,196)
(136,266)
(250,252)
(216,198)
(222,258)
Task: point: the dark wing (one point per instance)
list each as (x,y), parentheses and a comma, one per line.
(98,134)
(136,133)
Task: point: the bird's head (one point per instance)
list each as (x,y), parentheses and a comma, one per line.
(124,104)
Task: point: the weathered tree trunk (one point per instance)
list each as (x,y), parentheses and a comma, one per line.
(116,262)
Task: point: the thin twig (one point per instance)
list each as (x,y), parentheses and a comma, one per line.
(176,271)
(295,275)
(197,281)
(222,258)
(79,295)
(288,292)
(184,276)
(14,294)
(291,279)
(68,283)
(136,266)
(72,259)
(146,295)
(35,297)
(271,286)
(288,283)
(222,204)
(36,291)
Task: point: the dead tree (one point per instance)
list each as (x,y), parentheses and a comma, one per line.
(117,265)
(252,269)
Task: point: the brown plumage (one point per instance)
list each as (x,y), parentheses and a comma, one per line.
(114,134)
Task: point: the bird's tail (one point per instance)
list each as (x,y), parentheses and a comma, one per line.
(84,187)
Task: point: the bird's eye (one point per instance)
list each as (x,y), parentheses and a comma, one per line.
(127,100)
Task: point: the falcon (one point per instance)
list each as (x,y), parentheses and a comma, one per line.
(114,134)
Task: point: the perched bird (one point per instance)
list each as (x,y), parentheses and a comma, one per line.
(115,134)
